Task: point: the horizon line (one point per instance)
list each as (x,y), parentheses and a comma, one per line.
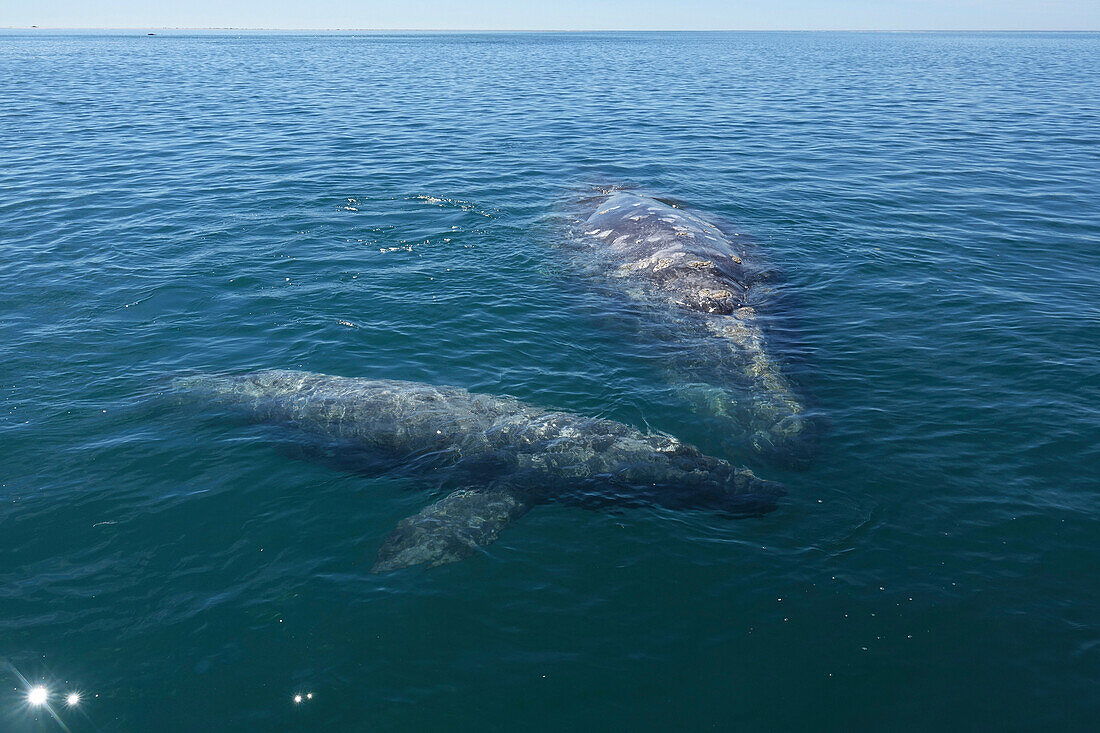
(549,30)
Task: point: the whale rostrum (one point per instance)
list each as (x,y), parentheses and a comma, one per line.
(502,457)
(689,269)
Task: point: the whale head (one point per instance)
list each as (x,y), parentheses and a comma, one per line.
(692,480)
(746,494)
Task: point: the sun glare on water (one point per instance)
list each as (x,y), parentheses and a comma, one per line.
(38,695)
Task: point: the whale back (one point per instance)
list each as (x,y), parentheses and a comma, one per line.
(686,257)
(557,455)
(389,415)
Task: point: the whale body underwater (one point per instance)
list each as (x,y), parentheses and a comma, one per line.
(689,270)
(501,456)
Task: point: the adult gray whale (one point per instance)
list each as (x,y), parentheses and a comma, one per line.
(505,455)
(679,262)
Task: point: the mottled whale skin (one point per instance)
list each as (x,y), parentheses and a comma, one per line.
(507,456)
(673,259)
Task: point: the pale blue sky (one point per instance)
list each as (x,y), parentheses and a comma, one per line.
(564,15)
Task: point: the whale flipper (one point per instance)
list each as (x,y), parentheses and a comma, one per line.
(451,529)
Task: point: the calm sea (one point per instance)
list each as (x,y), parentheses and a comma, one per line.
(397,205)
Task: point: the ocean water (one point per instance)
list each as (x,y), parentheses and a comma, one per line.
(398,205)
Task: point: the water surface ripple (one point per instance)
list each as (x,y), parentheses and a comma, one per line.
(398,206)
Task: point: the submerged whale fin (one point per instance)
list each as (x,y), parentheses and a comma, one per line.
(772,423)
(451,529)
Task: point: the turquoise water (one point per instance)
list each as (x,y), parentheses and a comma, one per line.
(398,206)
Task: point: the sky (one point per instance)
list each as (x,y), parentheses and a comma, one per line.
(559,14)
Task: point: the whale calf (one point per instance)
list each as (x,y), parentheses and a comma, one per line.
(682,264)
(502,456)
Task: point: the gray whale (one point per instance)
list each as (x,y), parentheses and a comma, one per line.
(683,264)
(505,456)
